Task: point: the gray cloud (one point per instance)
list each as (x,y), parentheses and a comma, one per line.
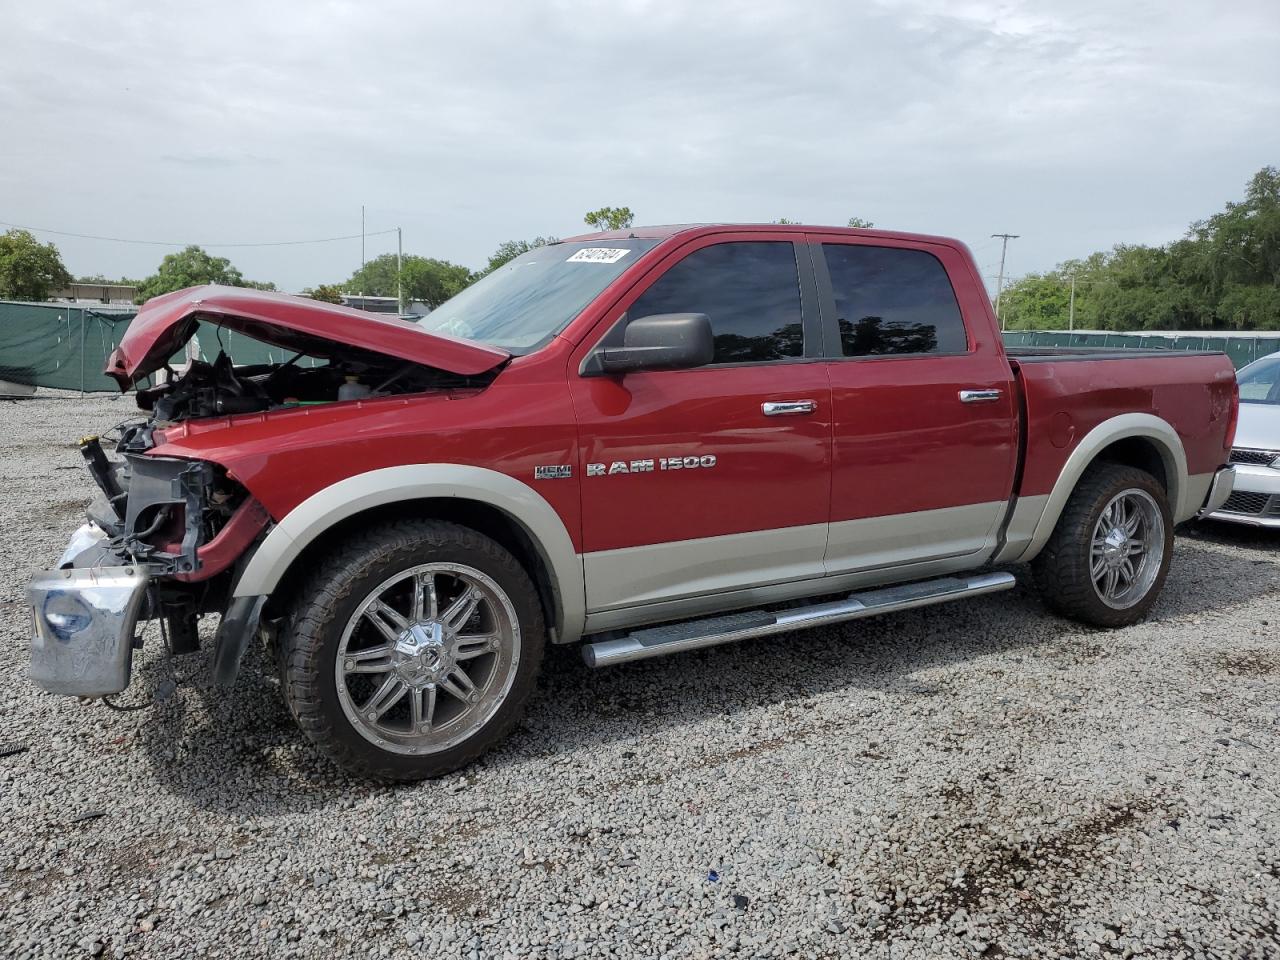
(1074,124)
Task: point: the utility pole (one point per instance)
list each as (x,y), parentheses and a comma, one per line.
(1071,310)
(1004,246)
(399,285)
(362,236)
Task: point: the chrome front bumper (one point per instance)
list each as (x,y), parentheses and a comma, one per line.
(83,624)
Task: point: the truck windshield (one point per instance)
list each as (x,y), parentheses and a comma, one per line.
(527,301)
(1260,381)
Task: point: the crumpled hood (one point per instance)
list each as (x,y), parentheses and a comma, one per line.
(298,324)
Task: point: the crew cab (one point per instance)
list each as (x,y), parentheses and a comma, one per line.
(643,442)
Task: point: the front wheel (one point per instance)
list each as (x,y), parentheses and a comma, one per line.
(412,650)
(1109,554)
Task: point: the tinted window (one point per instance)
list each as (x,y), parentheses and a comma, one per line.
(893,301)
(750,291)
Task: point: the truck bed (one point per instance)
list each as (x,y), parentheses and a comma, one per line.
(1064,398)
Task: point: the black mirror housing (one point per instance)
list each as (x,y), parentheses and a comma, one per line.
(664,341)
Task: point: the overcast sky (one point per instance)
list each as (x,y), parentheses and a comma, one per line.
(1076,124)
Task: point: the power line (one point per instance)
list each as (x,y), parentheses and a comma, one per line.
(170,243)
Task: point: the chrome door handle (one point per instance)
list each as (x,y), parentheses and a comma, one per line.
(787,408)
(980,396)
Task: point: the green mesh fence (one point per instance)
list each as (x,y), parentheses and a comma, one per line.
(57,345)
(64,346)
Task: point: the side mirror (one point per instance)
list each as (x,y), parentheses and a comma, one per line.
(663,341)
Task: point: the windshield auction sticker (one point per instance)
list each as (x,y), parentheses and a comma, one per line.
(599,255)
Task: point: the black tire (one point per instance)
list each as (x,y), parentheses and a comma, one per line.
(1063,569)
(331,598)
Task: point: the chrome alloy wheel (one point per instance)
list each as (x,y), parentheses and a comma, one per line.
(1127,549)
(428,658)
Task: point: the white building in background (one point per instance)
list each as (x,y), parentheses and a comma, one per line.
(115,294)
(413,308)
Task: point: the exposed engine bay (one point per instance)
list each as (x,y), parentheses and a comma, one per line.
(220,388)
(186,519)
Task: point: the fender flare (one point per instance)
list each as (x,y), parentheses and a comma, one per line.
(1122,427)
(376,488)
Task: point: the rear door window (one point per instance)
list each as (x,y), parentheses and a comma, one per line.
(891,301)
(749,290)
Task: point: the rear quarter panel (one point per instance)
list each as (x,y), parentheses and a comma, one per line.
(1066,399)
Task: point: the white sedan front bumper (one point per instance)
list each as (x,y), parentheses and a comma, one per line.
(1255,499)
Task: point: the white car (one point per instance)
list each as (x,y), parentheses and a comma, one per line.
(1256,451)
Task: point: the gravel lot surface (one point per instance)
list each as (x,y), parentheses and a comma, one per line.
(974,780)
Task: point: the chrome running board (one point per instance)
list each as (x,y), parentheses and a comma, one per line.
(711,631)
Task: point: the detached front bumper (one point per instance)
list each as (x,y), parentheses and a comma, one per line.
(83,623)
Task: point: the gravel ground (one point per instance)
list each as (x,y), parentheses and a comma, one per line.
(974,780)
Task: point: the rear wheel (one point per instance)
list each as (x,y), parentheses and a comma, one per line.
(412,650)
(1109,554)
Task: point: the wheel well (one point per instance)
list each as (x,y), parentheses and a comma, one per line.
(480,517)
(1140,452)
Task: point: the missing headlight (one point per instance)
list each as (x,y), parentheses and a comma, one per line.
(166,497)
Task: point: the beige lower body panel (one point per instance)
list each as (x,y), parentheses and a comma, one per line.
(695,577)
(1198,485)
(682,568)
(875,542)
(774,593)
(1027,512)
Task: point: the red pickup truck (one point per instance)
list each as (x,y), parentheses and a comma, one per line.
(646,441)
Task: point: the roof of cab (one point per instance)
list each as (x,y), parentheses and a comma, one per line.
(666,231)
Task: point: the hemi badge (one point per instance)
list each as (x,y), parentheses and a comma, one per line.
(557,471)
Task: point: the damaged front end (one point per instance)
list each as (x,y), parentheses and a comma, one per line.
(167,536)
(162,538)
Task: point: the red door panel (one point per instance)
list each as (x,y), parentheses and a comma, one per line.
(768,472)
(905,442)
(918,473)
(689,487)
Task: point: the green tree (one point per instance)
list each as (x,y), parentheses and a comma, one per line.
(511,249)
(433,281)
(784,220)
(327,292)
(1037,301)
(1224,274)
(29,269)
(860,224)
(609,218)
(424,278)
(193,267)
